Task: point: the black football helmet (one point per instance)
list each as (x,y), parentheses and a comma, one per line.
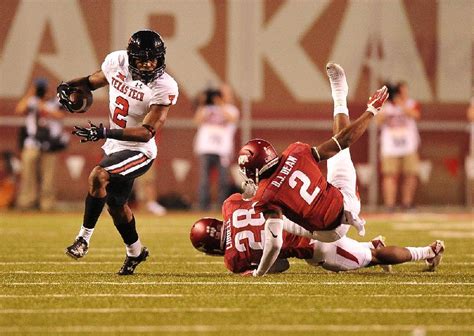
(256,157)
(146,45)
(207,236)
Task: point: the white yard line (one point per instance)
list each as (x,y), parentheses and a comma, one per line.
(119,310)
(140,329)
(107,295)
(78,272)
(84,263)
(141,295)
(232,283)
(233,310)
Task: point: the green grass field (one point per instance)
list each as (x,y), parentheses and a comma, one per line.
(180,291)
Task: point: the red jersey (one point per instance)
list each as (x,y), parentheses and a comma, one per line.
(299,189)
(244,230)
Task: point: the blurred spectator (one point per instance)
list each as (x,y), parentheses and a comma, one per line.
(217,118)
(399,146)
(7,179)
(147,194)
(40,140)
(470,111)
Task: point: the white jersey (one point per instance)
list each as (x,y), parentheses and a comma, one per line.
(399,134)
(215,135)
(130,100)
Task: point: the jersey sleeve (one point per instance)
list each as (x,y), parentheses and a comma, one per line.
(166,93)
(112,63)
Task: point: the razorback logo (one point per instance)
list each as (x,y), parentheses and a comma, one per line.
(268,153)
(171,98)
(243,159)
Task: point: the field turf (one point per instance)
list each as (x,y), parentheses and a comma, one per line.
(180,291)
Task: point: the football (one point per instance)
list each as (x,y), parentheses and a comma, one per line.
(81,100)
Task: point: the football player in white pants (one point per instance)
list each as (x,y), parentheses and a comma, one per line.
(341,174)
(348,254)
(240,239)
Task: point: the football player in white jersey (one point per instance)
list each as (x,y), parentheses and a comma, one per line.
(140,96)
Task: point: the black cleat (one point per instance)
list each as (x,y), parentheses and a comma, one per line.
(78,249)
(131,263)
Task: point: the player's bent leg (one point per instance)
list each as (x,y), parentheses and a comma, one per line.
(341,174)
(331,235)
(379,242)
(343,255)
(432,254)
(390,255)
(98,180)
(94,204)
(124,221)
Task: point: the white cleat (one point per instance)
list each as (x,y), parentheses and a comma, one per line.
(337,78)
(438,249)
(379,242)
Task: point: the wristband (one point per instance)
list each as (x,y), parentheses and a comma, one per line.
(372,110)
(113,133)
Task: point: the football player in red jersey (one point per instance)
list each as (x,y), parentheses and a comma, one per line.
(292,184)
(240,239)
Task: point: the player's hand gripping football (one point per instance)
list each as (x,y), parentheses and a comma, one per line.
(64,91)
(377,100)
(91,133)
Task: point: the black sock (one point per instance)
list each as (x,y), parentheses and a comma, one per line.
(127,231)
(93,209)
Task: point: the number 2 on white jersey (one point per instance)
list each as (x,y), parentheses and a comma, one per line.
(299,175)
(121,112)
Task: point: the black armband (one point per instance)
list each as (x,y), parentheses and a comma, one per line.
(150,129)
(113,133)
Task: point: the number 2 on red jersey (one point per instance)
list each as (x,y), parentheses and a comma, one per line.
(306,183)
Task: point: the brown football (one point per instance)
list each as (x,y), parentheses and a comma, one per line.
(81,100)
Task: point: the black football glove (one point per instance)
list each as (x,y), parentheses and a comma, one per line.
(91,133)
(64,90)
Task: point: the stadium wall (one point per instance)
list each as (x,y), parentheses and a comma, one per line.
(273,53)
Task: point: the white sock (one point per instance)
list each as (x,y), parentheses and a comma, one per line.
(134,249)
(85,233)
(421,253)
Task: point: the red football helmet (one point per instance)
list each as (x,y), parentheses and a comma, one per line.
(256,157)
(206,236)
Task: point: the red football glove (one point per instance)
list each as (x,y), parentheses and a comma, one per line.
(377,100)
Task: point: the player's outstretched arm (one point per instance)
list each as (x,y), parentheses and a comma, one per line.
(350,134)
(153,120)
(271,245)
